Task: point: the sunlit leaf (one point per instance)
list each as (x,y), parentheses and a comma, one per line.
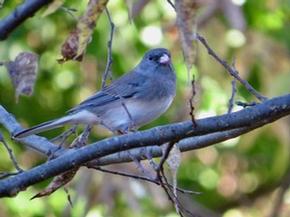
(23,71)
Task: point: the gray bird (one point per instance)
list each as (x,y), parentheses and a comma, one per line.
(128,103)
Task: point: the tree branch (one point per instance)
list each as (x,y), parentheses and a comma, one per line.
(141,178)
(107,71)
(252,117)
(231,69)
(19,15)
(37,143)
(43,146)
(10,153)
(188,144)
(232,98)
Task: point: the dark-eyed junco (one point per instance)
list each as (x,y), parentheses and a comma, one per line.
(129,102)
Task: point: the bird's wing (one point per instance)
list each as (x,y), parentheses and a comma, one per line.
(125,87)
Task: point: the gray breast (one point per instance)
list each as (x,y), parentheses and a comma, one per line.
(136,114)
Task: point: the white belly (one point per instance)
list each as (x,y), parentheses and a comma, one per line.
(138,114)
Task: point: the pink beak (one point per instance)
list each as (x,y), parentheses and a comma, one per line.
(164,59)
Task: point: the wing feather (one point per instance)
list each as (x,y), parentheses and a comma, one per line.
(126,87)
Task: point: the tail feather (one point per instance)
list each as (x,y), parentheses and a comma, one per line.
(43,127)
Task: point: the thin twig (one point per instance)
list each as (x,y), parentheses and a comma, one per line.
(232,99)
(234,91)
(143,178)
(172,4)
(109,56)
(169,192)
(180,208)
(11,155)
(68,196)
(232,70)
(246,104)
(191,102)
(70,11)
(165,155)
(160,176)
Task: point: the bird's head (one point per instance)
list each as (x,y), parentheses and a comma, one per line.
(157,61)
(157,56)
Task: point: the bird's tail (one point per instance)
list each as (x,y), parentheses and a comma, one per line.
(43,127)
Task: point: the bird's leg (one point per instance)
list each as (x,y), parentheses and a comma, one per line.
(63,137)
(125,130)
(140,167)
(122,131)
(82,139)
(131,125)
(138,163)
(149,157)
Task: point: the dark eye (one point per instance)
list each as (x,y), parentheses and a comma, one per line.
(150,58)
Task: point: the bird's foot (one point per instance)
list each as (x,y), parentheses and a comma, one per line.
(60,139)
(82,139)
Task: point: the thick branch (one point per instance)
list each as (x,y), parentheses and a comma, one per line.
(37,143)
(252,117)
(19,15)
(188,144)
(43,146)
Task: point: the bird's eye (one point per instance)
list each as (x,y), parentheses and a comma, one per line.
(150,58)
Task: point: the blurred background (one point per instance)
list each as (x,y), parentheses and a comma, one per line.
(241,177)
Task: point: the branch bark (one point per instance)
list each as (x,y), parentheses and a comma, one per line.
(45,147)
(187,144)
(37,143)
(251,118)
(19,15)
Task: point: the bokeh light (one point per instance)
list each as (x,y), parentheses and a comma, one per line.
(151,35)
